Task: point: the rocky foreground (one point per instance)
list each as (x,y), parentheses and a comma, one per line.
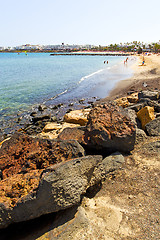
(93,175)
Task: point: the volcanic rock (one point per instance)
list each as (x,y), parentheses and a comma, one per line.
(77,116)
(113,162)
(151,103)
(110,128)
(22,152)
(41,116)
(42,107)
(72,134)
(153,127)
(52,130)
(61,186)
(138,106)
(153,95)
(133,98)
(140,135)
(123,102)
(81,100)
(145,115)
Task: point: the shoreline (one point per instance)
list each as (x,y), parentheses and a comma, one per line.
(92,54)
(148,74)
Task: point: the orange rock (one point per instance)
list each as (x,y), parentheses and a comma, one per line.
(23,158)
(133,98)
(22,153)
(122,102)
(77,116)
(145,115)
(17,186)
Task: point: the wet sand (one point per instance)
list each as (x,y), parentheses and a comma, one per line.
(145,77)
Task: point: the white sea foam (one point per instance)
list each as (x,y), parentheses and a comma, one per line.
(52,98)
(90,75)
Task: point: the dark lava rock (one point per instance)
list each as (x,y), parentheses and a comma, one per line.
(113,162)
(110,128)
(157,115)
(138,106)
(153,95)
(33,114)
(42,116)
(42,107)
(153,128)
(57,106)
(151,103)
(90,102)
(69,110)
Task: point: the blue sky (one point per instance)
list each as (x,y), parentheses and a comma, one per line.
(98,22)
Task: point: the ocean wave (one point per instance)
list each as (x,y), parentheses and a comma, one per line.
(90,75)
(57,95)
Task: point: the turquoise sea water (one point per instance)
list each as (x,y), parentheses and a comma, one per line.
(38,77)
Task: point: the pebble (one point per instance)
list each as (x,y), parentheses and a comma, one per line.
(69,110)
(53,119)
(70,105)
(42,107)
(81,100)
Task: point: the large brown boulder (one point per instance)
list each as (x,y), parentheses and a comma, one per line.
(22,153)
(110,128)
(59,187)
(22,160)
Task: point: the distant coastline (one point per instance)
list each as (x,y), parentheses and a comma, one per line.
(93,54)
(58,52)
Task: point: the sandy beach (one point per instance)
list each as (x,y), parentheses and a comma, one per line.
(145,76)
